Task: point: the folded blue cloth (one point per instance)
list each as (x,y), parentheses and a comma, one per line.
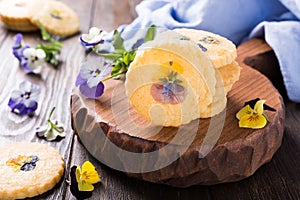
(277,20)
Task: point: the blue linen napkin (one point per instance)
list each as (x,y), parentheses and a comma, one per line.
(277,20)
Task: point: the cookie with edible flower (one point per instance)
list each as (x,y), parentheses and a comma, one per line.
(24,100)
(28,169)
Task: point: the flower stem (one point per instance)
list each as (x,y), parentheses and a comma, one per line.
(51,113)
(115,75)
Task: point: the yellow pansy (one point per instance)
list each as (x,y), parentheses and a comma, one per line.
(252,118)
(87,176)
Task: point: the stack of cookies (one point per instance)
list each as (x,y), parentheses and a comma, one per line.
(27,15)
(182,75)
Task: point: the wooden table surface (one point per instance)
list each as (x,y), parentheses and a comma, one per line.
(278,179)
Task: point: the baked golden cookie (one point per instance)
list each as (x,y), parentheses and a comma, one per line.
(56,17)
(219,99)
(28,169)
(220,50)
(170,81)
(229,74)
(15,15)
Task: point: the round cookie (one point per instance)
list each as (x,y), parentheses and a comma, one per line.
(229,74)
(155,64)
(15,14)
(220,50)
(28,169)
(56,17)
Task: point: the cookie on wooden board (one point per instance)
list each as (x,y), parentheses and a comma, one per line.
(220,50)
(56,17)
(15,15)
(28,170)
(168,79)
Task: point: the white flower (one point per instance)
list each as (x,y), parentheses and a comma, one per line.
(35,57)
(94,37)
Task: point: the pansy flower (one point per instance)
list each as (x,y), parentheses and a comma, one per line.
(169,90)
(19,46)
(24,100)
(32,59)
(93,38)
(253,117)
(52,130)
(82,180)
(91,76)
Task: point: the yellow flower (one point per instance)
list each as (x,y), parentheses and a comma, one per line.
(252,118)
(86,176)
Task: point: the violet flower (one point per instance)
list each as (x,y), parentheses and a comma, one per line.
(24,100)
(19,46)
(91,76)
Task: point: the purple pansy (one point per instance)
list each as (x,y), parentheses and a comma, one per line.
(24,100)
(30,58)
(19,46)
(90,77)
(93,38)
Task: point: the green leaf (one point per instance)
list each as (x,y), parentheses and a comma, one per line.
(151,32)
(118,42)
(111,56)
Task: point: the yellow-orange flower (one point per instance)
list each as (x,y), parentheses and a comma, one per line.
(252,118)
(87,176)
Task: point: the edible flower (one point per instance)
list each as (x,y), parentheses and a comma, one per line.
(32,59)
(24,100)
(82,180)
(51,131)
(19,46)
(91,77)
(116,63)
(254,118)
(169,90)
(93,38)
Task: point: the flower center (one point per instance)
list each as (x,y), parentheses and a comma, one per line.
(253,117)
(33,58)
(209,40)
(26,95)
(84,176)
(96,73)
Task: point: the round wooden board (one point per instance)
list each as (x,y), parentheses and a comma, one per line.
(206,151)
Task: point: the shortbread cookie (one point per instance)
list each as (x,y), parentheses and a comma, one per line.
(56,17)
(168,79)
(28,169)
(219,99)
(15,15)
(220,50)
(229,74)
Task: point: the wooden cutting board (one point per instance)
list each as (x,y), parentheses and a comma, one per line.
(206,151)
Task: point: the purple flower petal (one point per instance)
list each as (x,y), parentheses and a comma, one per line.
(18,40)
(74,186)
(80,80)
(21,109)
(18,52)
(93,92)
(87,44)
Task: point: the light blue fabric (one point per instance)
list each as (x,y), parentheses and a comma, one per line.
(277,20)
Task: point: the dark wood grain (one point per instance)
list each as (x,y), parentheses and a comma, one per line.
(279,179)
